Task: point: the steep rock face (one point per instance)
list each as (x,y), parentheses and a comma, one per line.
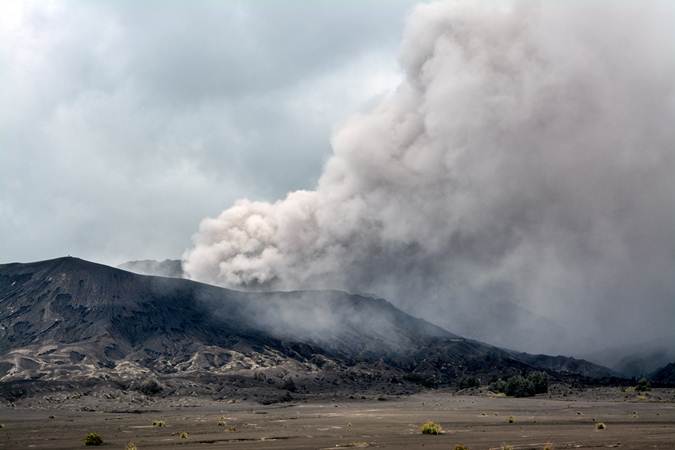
(67,318)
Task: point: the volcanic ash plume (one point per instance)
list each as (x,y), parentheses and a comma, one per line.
(527,159)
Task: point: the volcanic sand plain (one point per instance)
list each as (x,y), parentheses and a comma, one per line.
(478,422)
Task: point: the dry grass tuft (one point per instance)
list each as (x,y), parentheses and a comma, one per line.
(93,439)
(431,428)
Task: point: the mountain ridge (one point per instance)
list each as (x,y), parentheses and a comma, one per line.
(167,268)
(68,318)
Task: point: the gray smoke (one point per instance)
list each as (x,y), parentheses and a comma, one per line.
(521,176)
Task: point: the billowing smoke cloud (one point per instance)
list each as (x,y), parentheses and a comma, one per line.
(526,163)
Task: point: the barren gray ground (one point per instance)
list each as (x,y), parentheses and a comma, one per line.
(479,422)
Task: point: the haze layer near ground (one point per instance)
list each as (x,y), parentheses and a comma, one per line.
(477,422)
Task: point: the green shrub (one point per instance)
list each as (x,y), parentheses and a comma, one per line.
(184,435)
(498,386)
(600,426)
(159,423)
(93,439)
(643,385)
(461,447)
(512,419)
(519,386)
(431,428)
(540,382)
(468,382)
(131,446)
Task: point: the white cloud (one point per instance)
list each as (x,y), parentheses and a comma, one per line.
(116,115)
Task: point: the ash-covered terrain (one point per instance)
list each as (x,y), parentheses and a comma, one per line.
(67,322)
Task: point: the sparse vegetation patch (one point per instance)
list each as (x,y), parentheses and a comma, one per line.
(93,439)
(431,428)
(643,385)
(467,382)
(522,386)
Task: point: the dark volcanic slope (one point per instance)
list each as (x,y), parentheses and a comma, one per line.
(68,318)
(566,364)
(665,376)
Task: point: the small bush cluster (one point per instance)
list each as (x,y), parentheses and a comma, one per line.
(512,419)
(519,386)
(600,426)
(431,428)
(467,382)
(643,385)
(131,446)
(540,381)
(498,386)
(93,439)
(522,386)
(159,424)
(184,435)
(461,447)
